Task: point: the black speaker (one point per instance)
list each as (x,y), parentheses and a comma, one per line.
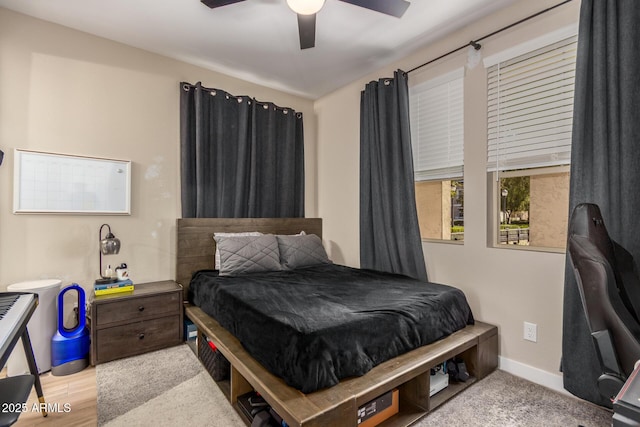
(457,370)
(263,419)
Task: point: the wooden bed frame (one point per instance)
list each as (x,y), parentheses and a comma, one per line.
(336,406)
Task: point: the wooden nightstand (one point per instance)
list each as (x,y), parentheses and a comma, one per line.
(127,324)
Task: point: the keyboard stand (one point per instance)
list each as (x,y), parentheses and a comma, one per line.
(33,368)
(14,391)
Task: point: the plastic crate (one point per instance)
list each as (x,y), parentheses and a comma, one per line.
(216,364)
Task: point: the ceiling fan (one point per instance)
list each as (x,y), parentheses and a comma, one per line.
(307,9)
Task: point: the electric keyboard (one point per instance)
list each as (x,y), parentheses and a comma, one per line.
(15,311)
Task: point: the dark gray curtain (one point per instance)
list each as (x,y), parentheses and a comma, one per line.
(240,158)
(389,233)
(605,159)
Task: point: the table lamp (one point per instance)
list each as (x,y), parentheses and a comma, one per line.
(109,245)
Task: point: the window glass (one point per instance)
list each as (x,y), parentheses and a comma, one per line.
(533,208)
(441,209)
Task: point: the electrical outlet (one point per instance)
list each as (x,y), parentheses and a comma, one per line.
(530,332)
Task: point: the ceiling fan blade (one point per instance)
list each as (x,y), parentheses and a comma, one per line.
(307,30)
(217,3)
(389,7)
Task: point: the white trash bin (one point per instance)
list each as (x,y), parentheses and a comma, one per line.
(42,326)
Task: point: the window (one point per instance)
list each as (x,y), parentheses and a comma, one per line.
(530,113)
(437,137)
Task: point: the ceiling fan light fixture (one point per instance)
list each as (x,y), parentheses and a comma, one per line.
(305,7)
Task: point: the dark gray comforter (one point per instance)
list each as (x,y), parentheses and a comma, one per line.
(316,325)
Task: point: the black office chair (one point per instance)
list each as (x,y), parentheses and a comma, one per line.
(14,392)
(609,287)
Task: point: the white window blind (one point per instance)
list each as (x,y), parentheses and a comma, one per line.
(437,134)
(530,108)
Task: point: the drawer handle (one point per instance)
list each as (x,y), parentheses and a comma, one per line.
(141,308)
(141,336)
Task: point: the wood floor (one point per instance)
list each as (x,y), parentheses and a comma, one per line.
(71,399)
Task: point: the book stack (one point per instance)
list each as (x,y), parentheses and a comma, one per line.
(113,288)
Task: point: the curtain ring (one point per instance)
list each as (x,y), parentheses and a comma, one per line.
(387,82)
(240,100)
(212,93)
(186,87)
(265,106)
(285,111)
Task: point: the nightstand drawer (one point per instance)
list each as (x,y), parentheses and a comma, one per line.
(131,323)
(139,337)
(138,308)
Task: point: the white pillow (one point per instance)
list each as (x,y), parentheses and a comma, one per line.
(244,233)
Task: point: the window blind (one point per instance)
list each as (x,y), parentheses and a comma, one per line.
(437,127)
(530,108)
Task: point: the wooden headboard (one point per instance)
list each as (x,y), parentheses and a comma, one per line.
(196,247)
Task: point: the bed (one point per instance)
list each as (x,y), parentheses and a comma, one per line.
(317,325)
(316,365)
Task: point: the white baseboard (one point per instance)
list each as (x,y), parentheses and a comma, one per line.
(535,375)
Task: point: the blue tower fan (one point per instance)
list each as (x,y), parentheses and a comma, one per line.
(70,347)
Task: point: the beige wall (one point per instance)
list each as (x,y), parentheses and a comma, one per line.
(69,92)
(504,286)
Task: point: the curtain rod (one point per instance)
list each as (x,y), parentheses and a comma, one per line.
(240,98)
(477,45)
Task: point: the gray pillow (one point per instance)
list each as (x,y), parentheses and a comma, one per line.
(244,233)
(301,251)
(248,254)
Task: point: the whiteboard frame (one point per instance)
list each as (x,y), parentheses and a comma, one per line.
(19,154)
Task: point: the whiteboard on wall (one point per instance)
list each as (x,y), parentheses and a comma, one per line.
(61,183)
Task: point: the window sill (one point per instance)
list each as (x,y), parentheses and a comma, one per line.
(529,248)
(561,251)
(447,242)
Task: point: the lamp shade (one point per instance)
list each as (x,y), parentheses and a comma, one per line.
(305,7)
(110,245)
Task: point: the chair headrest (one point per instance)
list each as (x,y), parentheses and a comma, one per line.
(586,221)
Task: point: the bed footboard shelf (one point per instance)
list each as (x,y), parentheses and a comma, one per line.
(337,406)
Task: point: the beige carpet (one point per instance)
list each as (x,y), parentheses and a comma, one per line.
(504,400)
(170,388)
(163,388)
